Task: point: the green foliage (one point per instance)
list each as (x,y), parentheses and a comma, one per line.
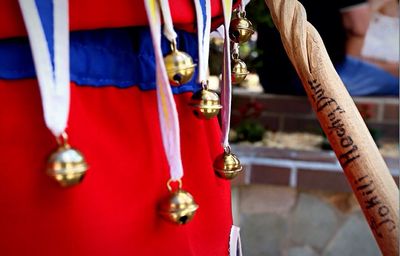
(250,130)
(258,12)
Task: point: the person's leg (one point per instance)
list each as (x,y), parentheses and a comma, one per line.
(364,79)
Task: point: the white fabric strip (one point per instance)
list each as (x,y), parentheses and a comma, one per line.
(243,4)
(235,245)
(203,35)
(207,34)
(166,105)
(169,31)
(54,86)
(226,95)
(61,43)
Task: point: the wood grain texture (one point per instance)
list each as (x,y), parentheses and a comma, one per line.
(362,163)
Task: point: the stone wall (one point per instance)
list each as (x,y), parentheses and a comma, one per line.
(285,221)
(294,113)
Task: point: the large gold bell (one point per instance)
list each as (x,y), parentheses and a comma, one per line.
(205,104)
(240,29)
(179,207)
(239,71)
(67,165)
(179,66)
(227,165)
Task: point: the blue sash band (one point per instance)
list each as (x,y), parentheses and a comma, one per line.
(121,57)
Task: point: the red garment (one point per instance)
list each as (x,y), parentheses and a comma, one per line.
(86,14)
(113,211)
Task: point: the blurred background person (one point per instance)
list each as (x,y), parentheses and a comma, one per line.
(343,26)
(381,45)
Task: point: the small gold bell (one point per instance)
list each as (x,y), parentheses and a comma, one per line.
(179,207)
(227,165)
(205,103)
(240,29)
(179,66)
(239,71)
(67,165)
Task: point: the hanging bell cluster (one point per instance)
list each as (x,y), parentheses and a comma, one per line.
(66,165)
(205,103)
(179,207)
(179,66)
(240,31)
(227,165)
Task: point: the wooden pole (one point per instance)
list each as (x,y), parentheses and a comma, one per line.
(362,163)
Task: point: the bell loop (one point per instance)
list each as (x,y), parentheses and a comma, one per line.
(62,140)
(227,149)
(204,84)
(235,51)
(169,186)
(235,47)
(235,56)
(173,45)
(241,14)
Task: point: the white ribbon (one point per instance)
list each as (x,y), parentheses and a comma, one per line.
(166,104)
(53,84)
(203,35)
(168,31)
(226,92)
(235,245)
(242,5)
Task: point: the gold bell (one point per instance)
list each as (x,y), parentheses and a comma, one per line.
(239,71)
(227,165)
(240,29)
(179,66)
(67,165)
(179,207)
(205,103)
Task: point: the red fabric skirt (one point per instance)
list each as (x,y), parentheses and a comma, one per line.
(89,14)
(114,210)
